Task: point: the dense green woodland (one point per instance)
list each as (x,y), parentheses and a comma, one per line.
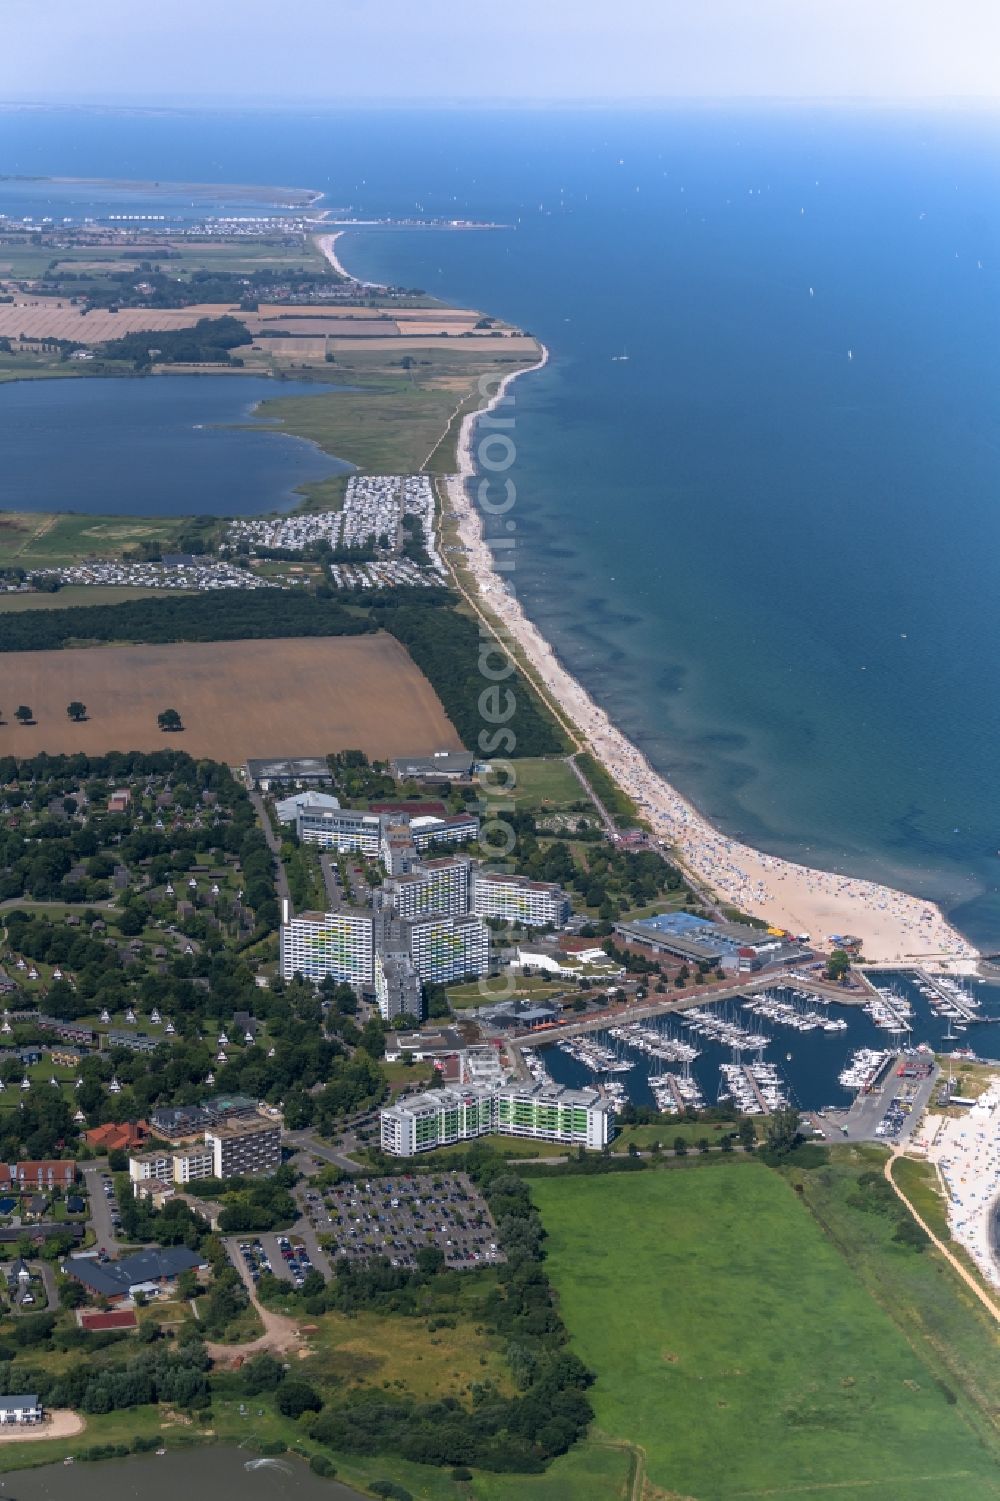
(208,343)
(446,646)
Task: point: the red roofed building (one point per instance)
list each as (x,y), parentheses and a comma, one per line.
(118,1136)
(48,1174)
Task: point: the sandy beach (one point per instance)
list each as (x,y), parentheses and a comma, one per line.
(966,1153)
(328,246)
(893,925)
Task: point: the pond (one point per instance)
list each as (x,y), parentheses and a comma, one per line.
(168,445)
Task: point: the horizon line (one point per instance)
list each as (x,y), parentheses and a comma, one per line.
(185,104)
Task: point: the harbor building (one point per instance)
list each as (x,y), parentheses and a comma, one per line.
(515,899)
(441,885)
(244,1148)
(733,947)
(397,986)
(539,1111)
(317,944)
(444,949)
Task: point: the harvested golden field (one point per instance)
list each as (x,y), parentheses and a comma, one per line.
(299,697)
(514,344)
(56,318)
(53,318)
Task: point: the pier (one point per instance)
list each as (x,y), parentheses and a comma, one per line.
(652,1008)
(950,998)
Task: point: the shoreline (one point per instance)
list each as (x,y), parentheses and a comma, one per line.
(327,245)
(893,925)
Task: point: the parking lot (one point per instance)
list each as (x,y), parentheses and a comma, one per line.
(103,1208)
(398,1216)
(284,1256)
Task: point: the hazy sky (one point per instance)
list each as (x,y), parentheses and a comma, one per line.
(283,51)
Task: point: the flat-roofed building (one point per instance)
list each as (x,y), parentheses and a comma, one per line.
(146,1167)
(458,828)
(397,986)
(294,771)
(249,1148)
(437,1119)
(541,1112)
(310,801)
(548,1112)
(191,1164)
(444,765)
(515,899)
(445,949)
(441,885)
(340,944)
(346,830)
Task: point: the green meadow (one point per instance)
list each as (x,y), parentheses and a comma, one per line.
(735,1345)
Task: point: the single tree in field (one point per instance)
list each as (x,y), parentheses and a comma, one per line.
(76,710)
(24,714)
(169,719)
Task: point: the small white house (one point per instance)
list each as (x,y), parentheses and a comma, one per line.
(20,1410)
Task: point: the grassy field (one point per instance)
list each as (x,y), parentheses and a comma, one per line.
(544,782)
(236,699)
(734,1343)
(38,539)
(399,421)
(83,594)
(369,1349)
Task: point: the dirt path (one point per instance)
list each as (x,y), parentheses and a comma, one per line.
(280,1336)
(939,1245)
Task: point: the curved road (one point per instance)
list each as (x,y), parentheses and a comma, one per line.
(939,1245)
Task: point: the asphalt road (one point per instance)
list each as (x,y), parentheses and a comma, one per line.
(100,1213)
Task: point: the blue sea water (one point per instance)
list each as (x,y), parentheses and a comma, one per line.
(808,1063)
(774,564)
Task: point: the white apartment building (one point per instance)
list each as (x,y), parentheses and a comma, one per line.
(457,828)
(441,885)
(346,830)
(155,1167)
(515,899)
(542,1112)
(192,1164)
(445,948)
(317,944)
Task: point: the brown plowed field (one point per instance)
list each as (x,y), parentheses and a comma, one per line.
(299,697)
